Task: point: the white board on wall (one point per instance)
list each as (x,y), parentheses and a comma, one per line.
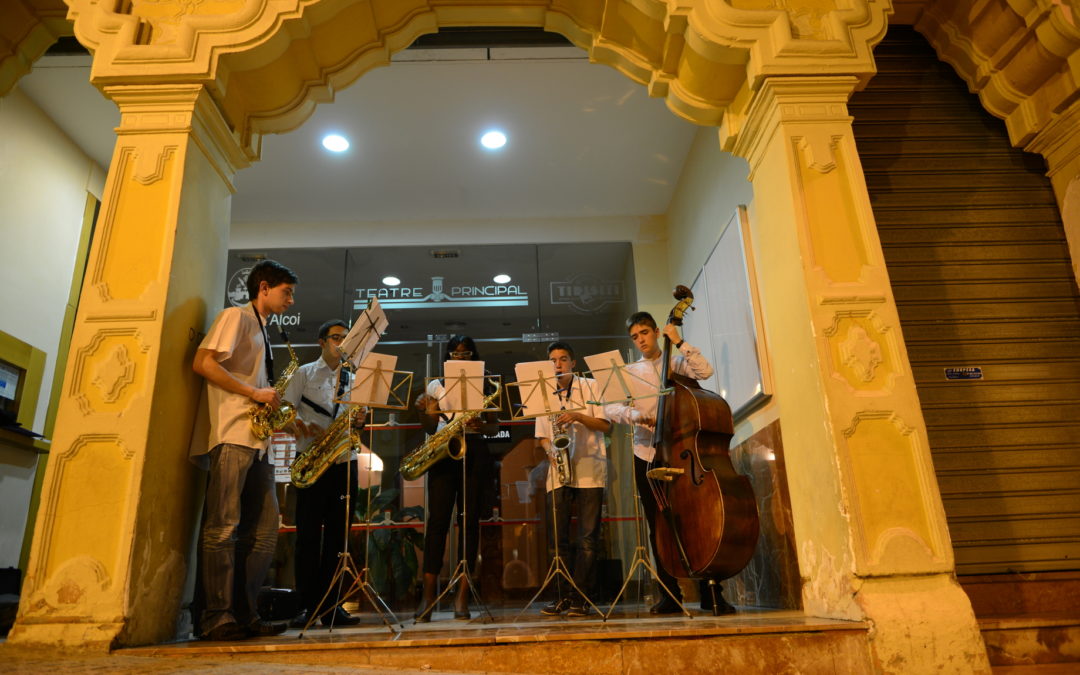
(726,323)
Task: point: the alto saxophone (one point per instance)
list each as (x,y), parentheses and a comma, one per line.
(446,442)
(266,420)
(560,452)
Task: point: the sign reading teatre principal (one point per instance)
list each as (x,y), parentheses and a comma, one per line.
(440,295)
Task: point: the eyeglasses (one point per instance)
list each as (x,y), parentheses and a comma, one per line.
(336,337)
(461,355)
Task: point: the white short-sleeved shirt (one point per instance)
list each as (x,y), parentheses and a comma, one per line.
(688,361)
(317,382)
(588,453)
(241,346)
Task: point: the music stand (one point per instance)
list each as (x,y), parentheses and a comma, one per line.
(619,385)
(360,340)
(458,394)
(536,402)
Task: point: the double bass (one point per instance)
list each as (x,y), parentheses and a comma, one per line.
(707,521)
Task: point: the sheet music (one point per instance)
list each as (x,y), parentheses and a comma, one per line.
(374,380)
(537,383)
(463,385)
(365,333)
(613,384)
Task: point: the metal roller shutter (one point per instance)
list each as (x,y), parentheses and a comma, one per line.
(979,266)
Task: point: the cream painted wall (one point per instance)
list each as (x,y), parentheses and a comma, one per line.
(712,185)
(44,178)
(440,233)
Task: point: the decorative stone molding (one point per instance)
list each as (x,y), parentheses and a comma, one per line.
(1022,57)
(269,62)
(890,495)
(27,29)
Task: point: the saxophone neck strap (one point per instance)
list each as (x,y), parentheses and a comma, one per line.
(269,357)
(316,407)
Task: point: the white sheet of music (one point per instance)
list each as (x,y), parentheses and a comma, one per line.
(373,380)
(613,383)
(463,385)
(536,386)
(365,333)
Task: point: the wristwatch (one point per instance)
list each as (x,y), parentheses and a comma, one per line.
(679,344)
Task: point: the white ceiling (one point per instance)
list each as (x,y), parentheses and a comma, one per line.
(584,141)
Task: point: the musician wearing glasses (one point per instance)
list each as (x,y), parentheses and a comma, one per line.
(321,516)
(239,532)
(577,475)
(444,484)
(686,360)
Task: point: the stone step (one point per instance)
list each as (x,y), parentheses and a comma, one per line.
(1051,638)
(750,641)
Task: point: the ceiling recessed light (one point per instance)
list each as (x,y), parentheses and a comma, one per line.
(493,140)
(391,280)
(335,143)
(502,278)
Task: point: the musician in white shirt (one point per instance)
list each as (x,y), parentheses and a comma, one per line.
(321,516)
(686,360)
(588,464)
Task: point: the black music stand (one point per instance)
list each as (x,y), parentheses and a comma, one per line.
(461,570)
(616,388)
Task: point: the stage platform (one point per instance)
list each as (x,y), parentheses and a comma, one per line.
(751,641)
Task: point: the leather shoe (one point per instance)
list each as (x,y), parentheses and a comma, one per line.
(226,632)
(666,606)
(300,620)
(555,607)
(339,617)
(266,628)
(722,607)
(462,614)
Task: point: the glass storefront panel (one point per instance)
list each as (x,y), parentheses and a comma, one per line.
(581,294)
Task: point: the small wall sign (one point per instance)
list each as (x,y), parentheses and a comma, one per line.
(968,373)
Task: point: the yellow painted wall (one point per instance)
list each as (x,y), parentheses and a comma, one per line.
(44,178)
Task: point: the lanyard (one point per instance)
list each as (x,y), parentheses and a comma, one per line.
(266,344)
(567,389)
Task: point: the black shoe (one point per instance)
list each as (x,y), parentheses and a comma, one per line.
(578,608)
(227,632)
(556,607)
(339,617)
(722,608)
(666,606)
(266,628)
(462,614)
(300,620)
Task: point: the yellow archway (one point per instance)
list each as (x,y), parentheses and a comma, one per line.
(198,83)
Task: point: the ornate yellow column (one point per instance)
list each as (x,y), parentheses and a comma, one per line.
(871,532)
(1059,142)
(110,548)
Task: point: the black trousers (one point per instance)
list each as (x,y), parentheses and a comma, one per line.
(444,490)
(648,503)
(320,530)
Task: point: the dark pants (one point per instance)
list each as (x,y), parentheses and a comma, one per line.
(587,541)
(648,503)
(239,534)
(444,491)
(321,520)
